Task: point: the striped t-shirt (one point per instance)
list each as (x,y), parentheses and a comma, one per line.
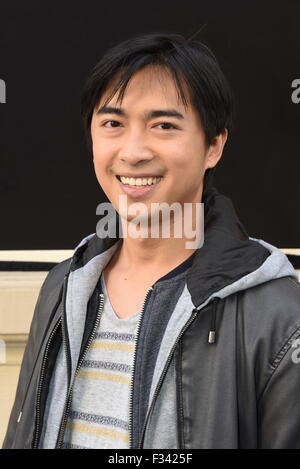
(99,415)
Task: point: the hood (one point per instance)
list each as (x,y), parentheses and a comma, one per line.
(229,259)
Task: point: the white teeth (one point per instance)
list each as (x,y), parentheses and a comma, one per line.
(139,181)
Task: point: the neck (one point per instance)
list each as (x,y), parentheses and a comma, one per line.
(138,254)
(159,254)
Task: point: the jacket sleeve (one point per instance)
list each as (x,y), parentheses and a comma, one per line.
(23,378)
(38,327)
(279,404)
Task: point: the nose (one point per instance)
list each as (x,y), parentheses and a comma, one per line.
(135,149)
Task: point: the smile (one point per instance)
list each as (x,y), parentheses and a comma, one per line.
(139,181)
(138,187)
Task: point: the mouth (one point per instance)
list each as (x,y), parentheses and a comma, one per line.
(139,187)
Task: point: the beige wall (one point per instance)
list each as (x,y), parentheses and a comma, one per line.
(18,295)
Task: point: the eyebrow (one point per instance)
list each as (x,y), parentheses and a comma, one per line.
(152,114)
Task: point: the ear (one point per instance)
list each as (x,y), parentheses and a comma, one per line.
(215,150)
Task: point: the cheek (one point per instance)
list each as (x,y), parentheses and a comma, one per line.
(187,161)
(98,149)
(102,156)
(99,167)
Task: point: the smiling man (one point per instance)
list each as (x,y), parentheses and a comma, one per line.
(153,150)
(141,342)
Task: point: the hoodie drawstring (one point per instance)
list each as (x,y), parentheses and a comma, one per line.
(212,331)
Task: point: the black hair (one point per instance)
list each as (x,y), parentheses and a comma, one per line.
(189,61)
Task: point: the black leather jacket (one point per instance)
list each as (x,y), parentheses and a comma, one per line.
(240,390)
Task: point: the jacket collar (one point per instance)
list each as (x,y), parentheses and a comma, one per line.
(227,253)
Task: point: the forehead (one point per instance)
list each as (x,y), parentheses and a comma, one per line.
(149,83)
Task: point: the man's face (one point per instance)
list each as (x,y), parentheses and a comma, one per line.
(139,144)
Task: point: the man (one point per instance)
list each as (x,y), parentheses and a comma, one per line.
(143,342)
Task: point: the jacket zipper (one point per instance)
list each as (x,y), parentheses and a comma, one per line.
(133,368)
(37,427)
(70,393)
(38,399)
(162,376)
(179,399)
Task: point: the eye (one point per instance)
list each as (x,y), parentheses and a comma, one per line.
(167,124)
(111,126)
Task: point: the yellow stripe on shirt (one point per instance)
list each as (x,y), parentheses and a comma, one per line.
(104,376)
(80,427)
(113,346)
